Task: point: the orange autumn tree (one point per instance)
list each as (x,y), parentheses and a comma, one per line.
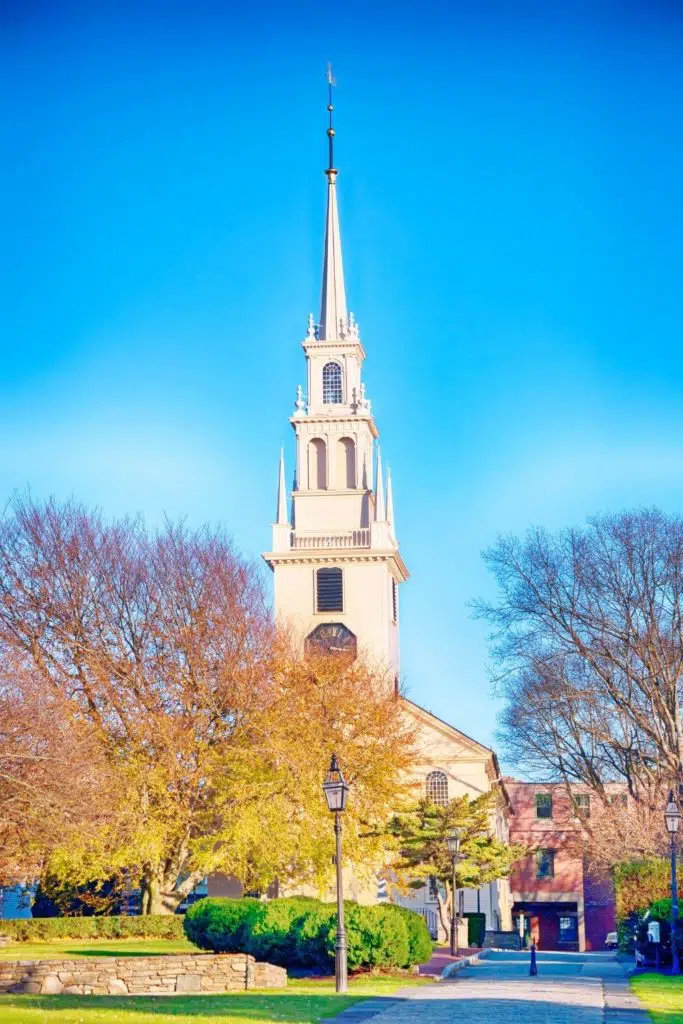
(215,735)
(53,777)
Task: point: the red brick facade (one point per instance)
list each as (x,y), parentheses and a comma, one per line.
(562,905)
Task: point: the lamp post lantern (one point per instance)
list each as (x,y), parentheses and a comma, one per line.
(672,817)
(336,793)
(453,844)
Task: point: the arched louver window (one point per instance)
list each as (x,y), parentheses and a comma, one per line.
(329,590)
(332,384)
(436,787)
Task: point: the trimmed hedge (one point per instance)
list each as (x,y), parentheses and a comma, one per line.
(301,932)
(51,929)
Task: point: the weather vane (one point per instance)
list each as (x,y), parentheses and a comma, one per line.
(330,131)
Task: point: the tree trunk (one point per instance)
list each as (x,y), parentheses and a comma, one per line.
(444,905)
(163,896)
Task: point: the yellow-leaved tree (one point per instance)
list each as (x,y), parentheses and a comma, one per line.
(215,733)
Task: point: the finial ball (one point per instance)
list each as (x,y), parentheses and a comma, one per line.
(330,132)
(330,107)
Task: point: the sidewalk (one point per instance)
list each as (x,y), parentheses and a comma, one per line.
(441,958)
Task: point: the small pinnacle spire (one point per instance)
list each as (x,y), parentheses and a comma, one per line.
(390,500)
(282,493)
(333,318)
(380,514)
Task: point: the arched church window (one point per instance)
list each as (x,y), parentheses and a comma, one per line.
(332,383)
(346,463)
(317,465)
(436,787)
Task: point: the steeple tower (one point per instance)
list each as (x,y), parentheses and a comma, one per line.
(337,565)
(333,302)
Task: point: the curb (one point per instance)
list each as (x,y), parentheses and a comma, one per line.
(459,965)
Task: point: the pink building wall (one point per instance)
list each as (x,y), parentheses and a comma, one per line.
(571,890)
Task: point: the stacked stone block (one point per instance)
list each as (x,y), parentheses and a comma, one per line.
(144,975)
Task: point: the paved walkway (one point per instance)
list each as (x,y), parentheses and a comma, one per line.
(570,988)
(441,959)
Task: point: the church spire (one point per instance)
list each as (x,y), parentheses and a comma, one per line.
(281,493)
(380,514)
(333,318)
(390,500)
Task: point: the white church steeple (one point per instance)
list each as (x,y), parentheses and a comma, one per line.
(337,564)
(333,318)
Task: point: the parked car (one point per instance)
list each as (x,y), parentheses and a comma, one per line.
(611,940)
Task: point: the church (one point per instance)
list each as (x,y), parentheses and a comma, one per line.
(337,565)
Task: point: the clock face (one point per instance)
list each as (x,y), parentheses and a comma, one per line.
(331,638)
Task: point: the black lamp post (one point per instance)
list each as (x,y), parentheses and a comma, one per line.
(453,843)
(672,817)
(337,793)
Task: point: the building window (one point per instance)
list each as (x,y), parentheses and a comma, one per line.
(617,799)
(544,805)
(394,599)
(436,788)
(545,863)
(583,804)
(346,463)
(329,590)
(317,465)
(332,384)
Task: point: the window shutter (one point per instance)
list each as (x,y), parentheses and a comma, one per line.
(329,590)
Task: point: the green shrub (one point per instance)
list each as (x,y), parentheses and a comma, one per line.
(52,929)
(220,925)
(476,929)
(301,932)
(377,937)
(272,930)
(310,936)
(419,939)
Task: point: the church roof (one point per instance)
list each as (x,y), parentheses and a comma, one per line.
(446,726)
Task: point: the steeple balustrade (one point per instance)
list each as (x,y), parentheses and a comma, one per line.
(340,539)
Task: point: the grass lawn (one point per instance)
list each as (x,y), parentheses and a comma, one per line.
(71,949)
(304,1001)
(662,996)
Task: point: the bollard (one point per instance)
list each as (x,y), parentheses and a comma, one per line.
(533,969)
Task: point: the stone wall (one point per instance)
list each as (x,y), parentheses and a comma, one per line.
(141,975)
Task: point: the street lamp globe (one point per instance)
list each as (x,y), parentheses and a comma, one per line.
(335,787)
(672,815)
(453,842)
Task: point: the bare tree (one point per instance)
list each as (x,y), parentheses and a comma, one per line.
(589,648)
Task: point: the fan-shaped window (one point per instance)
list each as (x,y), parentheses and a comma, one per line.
(436,786)
(317,465)
(346,463)
(332,383)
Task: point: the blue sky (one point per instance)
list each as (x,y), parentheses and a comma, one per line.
(510,194)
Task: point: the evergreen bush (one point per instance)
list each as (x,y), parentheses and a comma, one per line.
(377,938)
(221,925)
(311,932)
(301,932)
(419,939)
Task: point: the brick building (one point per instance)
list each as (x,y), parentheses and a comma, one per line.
(563,905)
